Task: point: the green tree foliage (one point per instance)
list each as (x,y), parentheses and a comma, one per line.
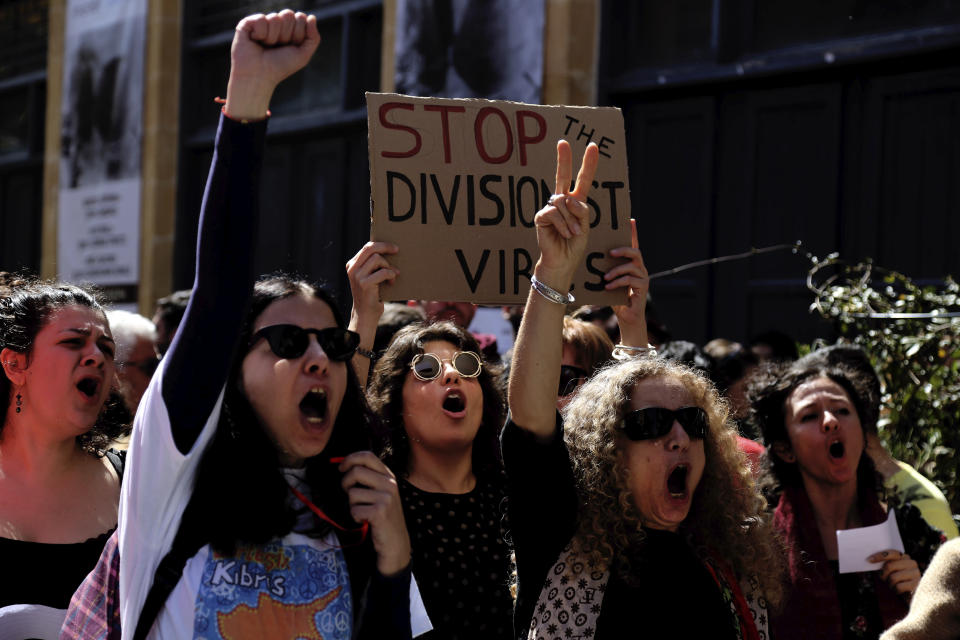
(917,358)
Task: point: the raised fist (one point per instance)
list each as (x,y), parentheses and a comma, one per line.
(266,49)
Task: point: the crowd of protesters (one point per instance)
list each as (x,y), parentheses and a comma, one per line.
(255,463)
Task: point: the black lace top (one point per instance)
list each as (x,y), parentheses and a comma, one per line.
(461,561)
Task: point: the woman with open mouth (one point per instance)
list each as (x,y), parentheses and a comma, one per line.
(441,410)
(810,414)
(633,508)
(253,506)
(58,490)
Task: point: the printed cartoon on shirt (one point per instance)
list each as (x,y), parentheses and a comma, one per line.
(294,591)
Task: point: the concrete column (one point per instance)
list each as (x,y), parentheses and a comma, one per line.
(161,143)
(51,151)
(571,51)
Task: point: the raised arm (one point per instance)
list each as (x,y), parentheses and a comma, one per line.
(266,49)
(562,230)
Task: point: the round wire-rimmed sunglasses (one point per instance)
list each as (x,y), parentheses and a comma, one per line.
(427,366)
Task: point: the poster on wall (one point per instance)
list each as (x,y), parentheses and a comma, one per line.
(470,49)
(101,132)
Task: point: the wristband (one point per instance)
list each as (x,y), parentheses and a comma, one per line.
(370,355)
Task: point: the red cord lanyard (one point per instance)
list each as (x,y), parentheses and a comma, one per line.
(364,528)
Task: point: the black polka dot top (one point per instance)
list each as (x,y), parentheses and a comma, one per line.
(460,560)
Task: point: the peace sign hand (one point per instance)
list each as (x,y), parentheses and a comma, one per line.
(563,225)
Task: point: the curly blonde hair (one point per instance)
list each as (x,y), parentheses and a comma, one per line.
(727,517)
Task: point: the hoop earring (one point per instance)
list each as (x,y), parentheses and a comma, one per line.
(19,402)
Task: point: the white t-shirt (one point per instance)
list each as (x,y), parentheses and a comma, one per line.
(295,586)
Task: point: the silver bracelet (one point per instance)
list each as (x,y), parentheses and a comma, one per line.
(550,293)
(625,352)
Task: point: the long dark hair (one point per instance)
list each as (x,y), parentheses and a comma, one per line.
(240,495)
(386,396)
(26,306)
(768,393)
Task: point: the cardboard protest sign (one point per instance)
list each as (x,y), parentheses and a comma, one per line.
(456,183)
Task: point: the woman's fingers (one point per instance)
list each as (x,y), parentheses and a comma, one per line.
(365,477)
(884,556)
(375,265)
(373,249)
(570,210)
(299,29)
(899,570)
(374,497)
(631,281)
(288,23)
(904,579)
(588,169)
(903,563)
(364,459)
(358,495)
(370,257)
(564,167)
(550,216)
(379,277)
(273,30)
(635,265)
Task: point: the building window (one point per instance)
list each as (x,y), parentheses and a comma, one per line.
(23,60)
(315,185)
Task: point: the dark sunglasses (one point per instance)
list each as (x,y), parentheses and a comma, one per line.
(570,379)
(427,366)
(290,341)
(656,422)
(147,366)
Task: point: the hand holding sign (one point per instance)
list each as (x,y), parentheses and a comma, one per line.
(563,226)
(366,271)
(631,317)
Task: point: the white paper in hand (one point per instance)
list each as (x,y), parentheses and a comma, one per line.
(854,546)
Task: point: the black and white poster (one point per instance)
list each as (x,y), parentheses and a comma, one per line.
(470,49)
(101,133)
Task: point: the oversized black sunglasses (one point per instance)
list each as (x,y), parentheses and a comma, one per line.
(427,366)
(290,341)
(656,422)
(570,379)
